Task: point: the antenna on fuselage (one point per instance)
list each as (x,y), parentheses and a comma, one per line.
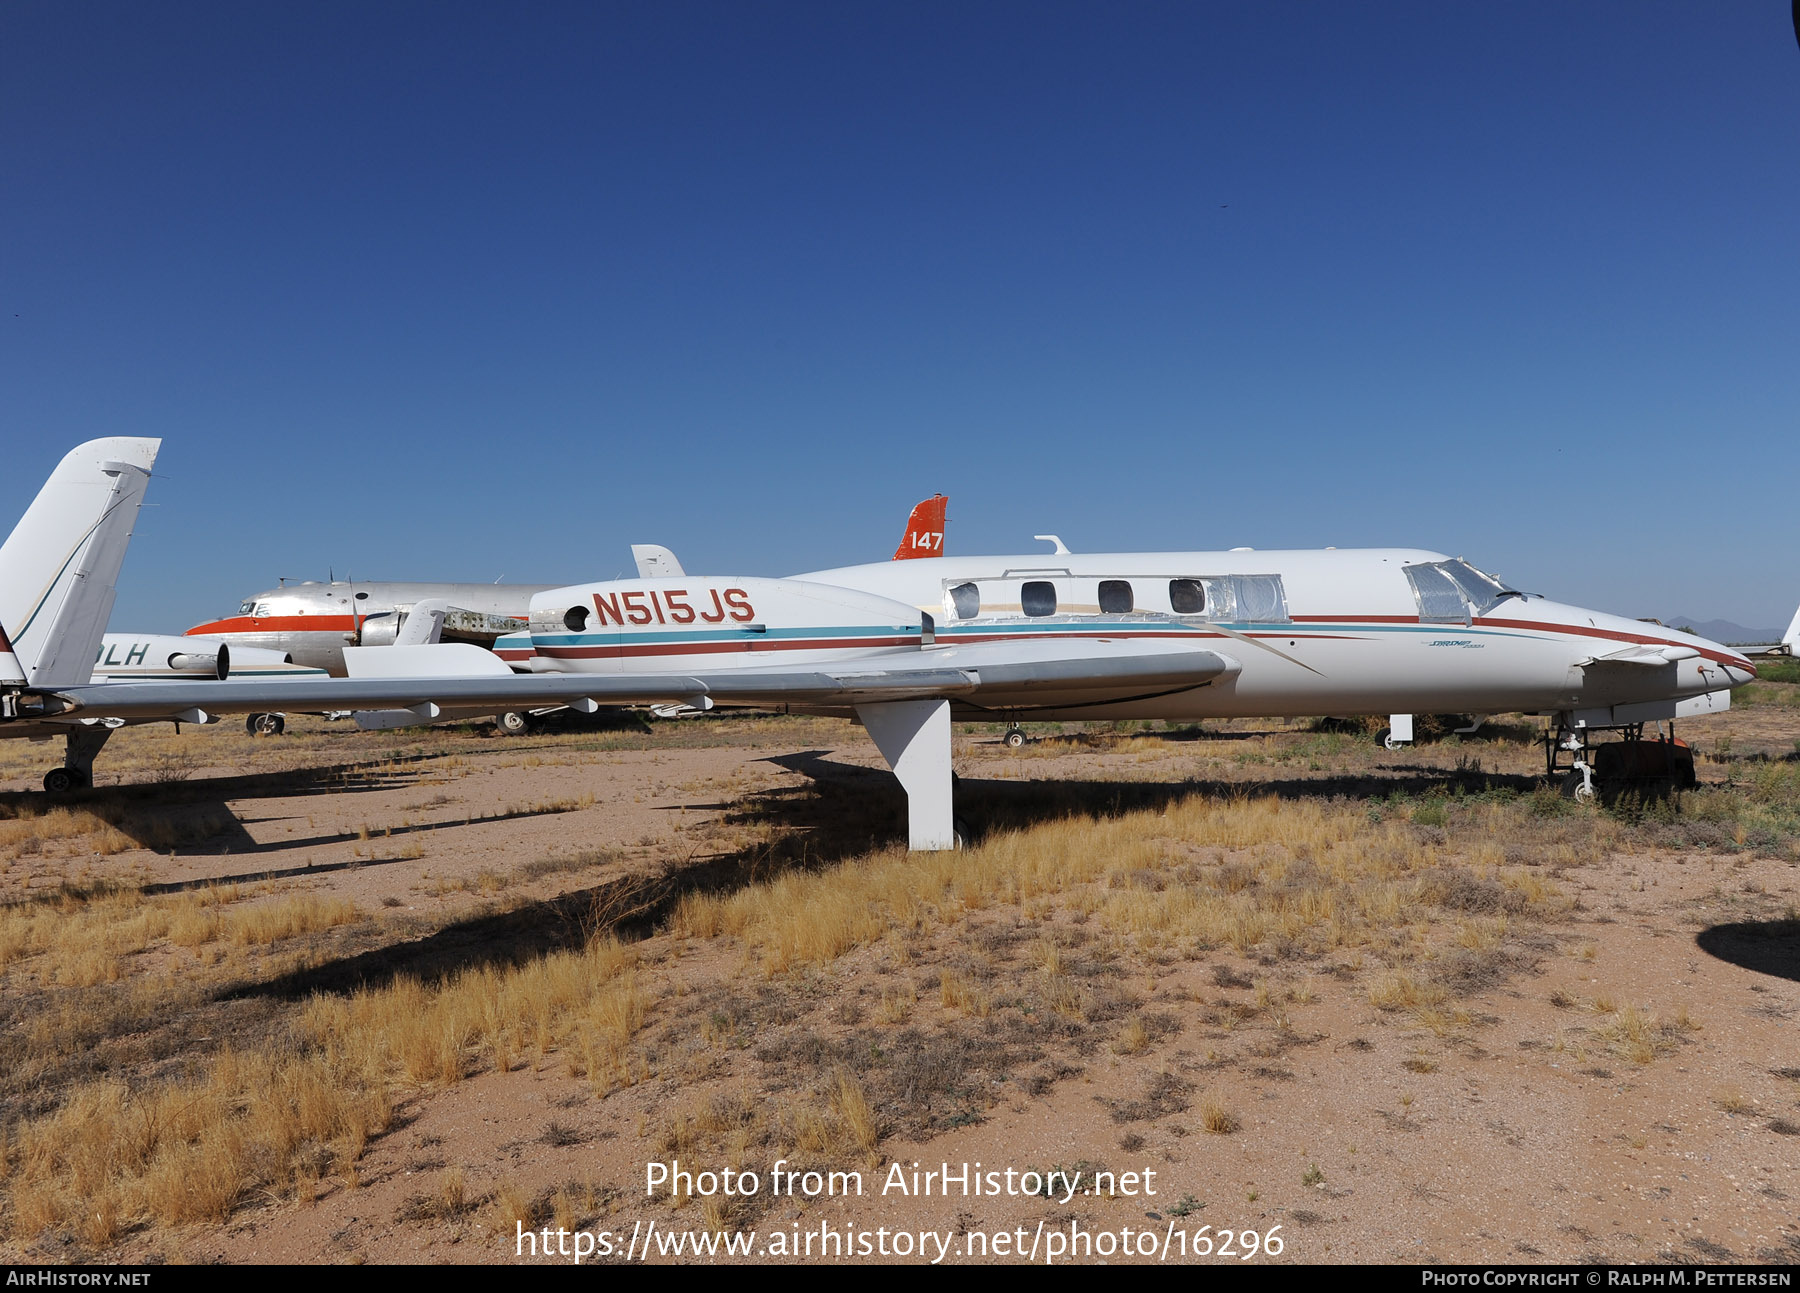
(1061,549)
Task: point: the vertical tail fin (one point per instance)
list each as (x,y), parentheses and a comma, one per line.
(60,565)
(1791,639)
(924,535)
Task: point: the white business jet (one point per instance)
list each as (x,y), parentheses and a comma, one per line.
(906,646)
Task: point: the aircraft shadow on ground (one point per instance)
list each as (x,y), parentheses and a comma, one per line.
(147,811)
(1769,947)
(840,811)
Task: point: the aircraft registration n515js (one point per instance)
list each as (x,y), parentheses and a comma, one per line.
(906,646)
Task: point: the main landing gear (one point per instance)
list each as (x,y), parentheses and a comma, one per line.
(1015,737)
(79,751)
(265,724)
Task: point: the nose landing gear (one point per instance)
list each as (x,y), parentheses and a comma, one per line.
(1651,769)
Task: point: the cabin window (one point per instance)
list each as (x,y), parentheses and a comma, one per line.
(1260,599)
(1037,597)
(966,599)
(362,597)
(1115,597)
(575,619)
(1187,597)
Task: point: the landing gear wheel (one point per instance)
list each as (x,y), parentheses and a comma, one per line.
(512,723)
(250,722)
(1014,738)
(1384,738)
(64,781)
(268,725)
(964,836)
(1573,787)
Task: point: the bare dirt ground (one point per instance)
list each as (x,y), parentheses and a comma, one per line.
(1404,1006)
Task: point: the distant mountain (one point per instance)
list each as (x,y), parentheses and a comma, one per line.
(1723,630)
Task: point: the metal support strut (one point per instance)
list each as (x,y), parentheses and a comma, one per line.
(914,737)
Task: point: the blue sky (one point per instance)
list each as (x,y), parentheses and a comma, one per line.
(469,291)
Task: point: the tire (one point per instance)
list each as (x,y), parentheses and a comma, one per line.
(251,722)
(63,781)
(964,836)
(512,723)
(1381,738)
(268,724)
(1015,739)
(1571,787)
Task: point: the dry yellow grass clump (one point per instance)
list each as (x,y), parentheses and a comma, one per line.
(1309,872)
(586,1001)
(111,1157)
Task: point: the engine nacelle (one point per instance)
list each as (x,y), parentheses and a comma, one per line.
(216,664)
(379,630)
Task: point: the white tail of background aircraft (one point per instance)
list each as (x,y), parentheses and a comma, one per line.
(60,565)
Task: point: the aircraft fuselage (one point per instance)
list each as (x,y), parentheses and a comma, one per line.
(1351,631)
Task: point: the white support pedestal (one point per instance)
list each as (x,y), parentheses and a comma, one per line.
(914,737)
(1400,730)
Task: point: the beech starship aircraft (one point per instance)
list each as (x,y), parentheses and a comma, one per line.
(904,647)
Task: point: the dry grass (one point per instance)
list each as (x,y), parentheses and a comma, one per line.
(1061,928)
(1315,875)
(1217,1118)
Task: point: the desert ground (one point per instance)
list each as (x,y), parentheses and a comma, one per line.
(394,997)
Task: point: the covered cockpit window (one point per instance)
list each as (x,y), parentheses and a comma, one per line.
(1482,589)
(965,600)
(1115,597)
(1037,597)
(1455,590)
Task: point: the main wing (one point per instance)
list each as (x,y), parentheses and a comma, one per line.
(997,675)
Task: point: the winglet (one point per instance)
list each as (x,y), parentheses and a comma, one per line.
(924,535)
(424,625)
(655,562)
(60,565)
(1791,639)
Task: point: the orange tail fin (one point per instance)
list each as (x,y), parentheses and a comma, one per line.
(924,535)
